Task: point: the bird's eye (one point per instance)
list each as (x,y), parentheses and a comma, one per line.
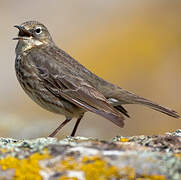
(38,30)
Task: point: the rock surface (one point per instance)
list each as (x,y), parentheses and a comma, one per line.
(79,158)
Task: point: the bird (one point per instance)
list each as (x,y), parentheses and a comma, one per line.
(60,84)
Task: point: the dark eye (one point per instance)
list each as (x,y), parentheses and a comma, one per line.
(38,30)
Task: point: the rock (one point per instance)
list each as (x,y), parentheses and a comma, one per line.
(78,158)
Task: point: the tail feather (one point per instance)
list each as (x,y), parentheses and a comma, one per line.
(158,107)
(123,110)
(124,97)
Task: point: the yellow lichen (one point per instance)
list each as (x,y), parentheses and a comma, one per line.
(178,155)
(69,163)
(67,178)
(3,150)
(27,168)
(96,168)
(124,140)
(128,172)
(152,177)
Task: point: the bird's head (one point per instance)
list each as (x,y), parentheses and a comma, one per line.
(32,34)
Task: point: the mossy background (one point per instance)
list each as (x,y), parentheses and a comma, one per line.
(134,44)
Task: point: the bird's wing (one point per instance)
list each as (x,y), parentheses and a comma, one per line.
(80,93)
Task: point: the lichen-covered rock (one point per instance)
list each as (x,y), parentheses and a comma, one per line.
(79,158)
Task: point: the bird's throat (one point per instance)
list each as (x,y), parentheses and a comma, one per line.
(25,45)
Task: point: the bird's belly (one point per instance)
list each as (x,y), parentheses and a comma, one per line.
(50,102)
(36,90)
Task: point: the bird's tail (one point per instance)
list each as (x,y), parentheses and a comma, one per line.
(158,107)
(125,97)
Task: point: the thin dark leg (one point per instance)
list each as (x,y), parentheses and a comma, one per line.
(59,127)
(76,125)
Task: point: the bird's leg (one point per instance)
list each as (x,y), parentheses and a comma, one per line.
(76,125)
(59,127)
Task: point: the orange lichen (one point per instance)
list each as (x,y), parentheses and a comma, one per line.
(27,168)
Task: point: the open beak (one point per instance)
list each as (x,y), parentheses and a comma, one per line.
(23,33)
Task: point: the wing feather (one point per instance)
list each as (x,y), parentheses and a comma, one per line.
(74,89)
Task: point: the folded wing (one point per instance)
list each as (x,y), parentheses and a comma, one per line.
(80,93)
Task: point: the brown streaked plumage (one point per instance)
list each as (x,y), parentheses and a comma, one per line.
(60,84)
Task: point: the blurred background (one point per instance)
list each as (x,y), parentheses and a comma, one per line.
(134,44)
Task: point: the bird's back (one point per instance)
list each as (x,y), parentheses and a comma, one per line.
(66,63)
